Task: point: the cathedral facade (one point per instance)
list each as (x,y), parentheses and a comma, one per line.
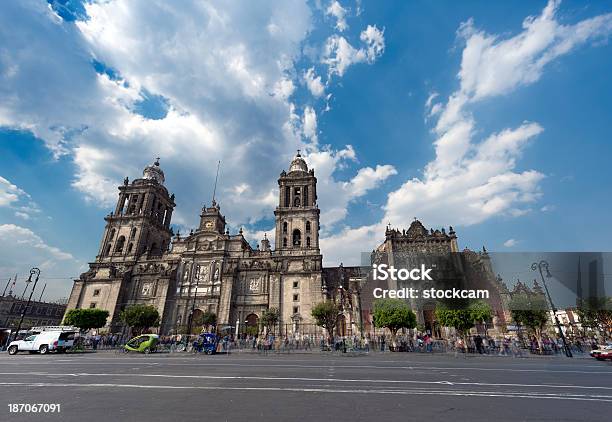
(141,260)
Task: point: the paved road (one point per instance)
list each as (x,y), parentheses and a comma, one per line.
(401,387)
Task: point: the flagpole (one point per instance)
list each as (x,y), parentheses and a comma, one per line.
(13,285)
(6,287)
(216,178)
(41,293)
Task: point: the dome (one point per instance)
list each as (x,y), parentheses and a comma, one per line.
(298,164)
(154,172)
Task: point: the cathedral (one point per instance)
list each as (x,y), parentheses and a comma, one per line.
(142,261)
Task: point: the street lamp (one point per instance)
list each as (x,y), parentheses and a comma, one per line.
(32,272)
(540,266)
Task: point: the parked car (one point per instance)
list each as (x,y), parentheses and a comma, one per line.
(602,352)
(145,343)
(44,342)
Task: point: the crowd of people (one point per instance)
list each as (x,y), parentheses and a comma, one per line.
(419,342)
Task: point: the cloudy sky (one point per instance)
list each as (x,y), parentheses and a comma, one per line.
(491,117)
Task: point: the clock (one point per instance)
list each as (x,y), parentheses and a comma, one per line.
(209,224)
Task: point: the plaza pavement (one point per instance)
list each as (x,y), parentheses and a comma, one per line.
(106,386)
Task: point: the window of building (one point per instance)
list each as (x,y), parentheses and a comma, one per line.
(112,234)
(108,249)
(287,196)
(120,244)
(308,242)
(284,242)
(284,227)
(296,309)
(133,233)
(308,227)
(92,305)
(96,292)
(305,196)
(297,238)
(296,297)
(296,284)
(130,247)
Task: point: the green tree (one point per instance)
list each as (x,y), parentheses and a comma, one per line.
(140,317)
(393,314)
(462,315)
(86,319)
(206,320)
(326,316)
(269,318)
(596,313)
(530,311)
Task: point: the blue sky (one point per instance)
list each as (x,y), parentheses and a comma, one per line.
(491,117)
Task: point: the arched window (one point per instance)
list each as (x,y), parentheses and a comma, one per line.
(297,238)
(120,243)
(296,201)
(133,233)
(308,242)
(112,234)
(130,246)
(284,227)
(308,227)
(284,242)
(108,249)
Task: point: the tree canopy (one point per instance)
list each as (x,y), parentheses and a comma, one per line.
(393,314)
(463,317)
(206,319)
(530,311)
(86,319)
(269,318)
(326,315)
(140,317)
(596,313)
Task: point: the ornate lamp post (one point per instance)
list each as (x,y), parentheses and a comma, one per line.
(541,266)
(32,272)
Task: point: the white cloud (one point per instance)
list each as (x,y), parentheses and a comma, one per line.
(9,193)
(510,243)
(313,82)
(479,180)
(15,198)
(22,249)
(492,66)
(227,74)
(374,40)
(336,10)
(339,54)
(335,196)
(309,124)
(22,215)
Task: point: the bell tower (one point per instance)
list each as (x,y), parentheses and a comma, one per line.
(140,223)
(297,214)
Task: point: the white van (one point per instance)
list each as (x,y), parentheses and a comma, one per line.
(44,340)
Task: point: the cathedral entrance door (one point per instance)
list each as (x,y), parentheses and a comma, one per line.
(196,321)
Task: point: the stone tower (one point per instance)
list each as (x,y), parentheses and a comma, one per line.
(297,214)
(140,224)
